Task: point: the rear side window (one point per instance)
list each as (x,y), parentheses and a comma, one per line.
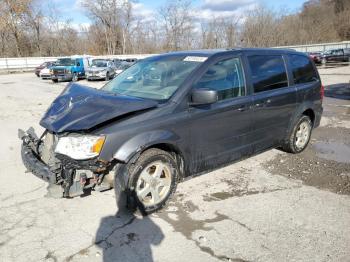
(303,70)
(268,72)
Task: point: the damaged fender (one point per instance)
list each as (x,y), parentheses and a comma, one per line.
(144,140)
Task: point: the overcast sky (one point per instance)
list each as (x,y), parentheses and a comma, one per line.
(71,10)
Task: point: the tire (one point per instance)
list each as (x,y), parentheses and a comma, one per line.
(299,137)
(75,77)
(55,80)
(147,189)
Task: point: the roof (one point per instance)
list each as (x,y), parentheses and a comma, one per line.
(210,52)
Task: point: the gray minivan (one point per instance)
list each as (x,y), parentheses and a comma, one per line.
(172,116)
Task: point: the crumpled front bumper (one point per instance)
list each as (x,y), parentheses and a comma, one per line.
(32,162)
(71,175)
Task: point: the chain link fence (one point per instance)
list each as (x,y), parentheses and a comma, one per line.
(318,47)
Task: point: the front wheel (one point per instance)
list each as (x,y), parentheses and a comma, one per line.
(75,77)
(300,136)
(152,180)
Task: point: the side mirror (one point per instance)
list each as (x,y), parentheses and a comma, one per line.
(204,97)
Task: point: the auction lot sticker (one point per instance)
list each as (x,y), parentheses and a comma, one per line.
(195,58)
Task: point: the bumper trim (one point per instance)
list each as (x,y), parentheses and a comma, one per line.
(36,166)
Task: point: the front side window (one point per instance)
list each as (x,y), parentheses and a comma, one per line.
(303,70)
(226,77)
(268,72)
(156,79)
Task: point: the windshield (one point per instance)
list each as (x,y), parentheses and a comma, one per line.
(155,79)
(99,63)
(65,62)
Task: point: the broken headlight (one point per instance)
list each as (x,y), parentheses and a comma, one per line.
(80,147)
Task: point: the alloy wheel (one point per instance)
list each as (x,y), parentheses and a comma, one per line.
(153,184)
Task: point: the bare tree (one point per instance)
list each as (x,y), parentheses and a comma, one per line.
(34,18)
(177,23)
(13,12)
(113,17)
(219,32)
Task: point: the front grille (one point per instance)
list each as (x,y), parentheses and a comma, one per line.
(58,71)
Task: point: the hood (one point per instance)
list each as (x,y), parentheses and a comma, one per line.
(80,108)
(61,67)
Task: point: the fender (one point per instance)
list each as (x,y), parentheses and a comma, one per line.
(298,112)
(144,140)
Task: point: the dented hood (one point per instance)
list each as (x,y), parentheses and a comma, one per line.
(80,108)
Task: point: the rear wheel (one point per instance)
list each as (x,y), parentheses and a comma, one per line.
(55,80)
(152,180)
(300,136)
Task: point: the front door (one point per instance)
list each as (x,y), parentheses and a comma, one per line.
(219,131)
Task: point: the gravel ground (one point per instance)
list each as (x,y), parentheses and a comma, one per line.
(271,207)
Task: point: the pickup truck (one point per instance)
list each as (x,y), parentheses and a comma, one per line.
(69,69)
(336,55)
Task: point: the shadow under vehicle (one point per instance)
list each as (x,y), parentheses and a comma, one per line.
(172,116)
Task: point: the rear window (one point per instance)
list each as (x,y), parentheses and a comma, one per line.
(268,72)
(303,70)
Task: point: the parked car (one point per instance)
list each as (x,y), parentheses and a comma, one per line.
(69,69)
(143,132)
(123,66)
(316,57)
(42,66)
(45,73)
(100,69)
(336,55)
(117,61)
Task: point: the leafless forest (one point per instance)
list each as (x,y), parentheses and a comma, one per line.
(26,29)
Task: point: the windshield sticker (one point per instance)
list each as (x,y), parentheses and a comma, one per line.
(200,59)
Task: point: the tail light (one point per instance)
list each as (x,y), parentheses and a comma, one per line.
(322,92)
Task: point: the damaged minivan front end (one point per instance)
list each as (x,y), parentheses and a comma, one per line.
(67,154)
(60,161)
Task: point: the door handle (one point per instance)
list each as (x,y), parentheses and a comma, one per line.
(242,108)
(268,101)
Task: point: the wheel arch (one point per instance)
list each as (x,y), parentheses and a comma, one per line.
(161,139)
(310,113)
(305,109)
